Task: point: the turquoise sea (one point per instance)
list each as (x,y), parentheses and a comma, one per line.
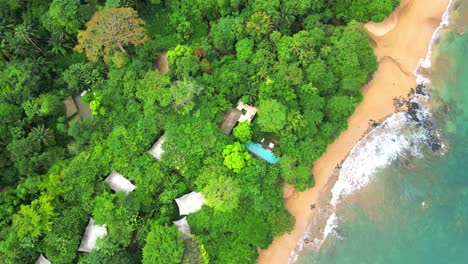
(398,201)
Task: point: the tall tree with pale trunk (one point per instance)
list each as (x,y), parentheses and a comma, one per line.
(111,30)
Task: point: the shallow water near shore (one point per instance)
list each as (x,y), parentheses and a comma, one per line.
(409,203)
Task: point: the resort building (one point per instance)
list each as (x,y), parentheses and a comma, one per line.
(243,112)
(75,109)
(156,150)
(70,107)
(92,233)
(71,111)
(230,120)
(119,183)
(183,227)
(83,109)
(248,112)
(190,203)
(42,260)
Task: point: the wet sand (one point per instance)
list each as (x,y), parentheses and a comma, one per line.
(399,43)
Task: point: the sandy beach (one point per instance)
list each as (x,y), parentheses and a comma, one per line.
(399,43)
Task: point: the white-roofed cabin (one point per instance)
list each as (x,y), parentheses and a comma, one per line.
(42,260)
(156,150)
(92,233)
(190,203)
(119,183)
(183,227)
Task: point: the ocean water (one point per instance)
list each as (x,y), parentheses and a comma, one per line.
(402,194)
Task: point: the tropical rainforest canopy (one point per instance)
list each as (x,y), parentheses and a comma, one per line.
(301,62)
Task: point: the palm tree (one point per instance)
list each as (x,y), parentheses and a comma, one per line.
(251,93)
(17,47)
(28,34)
(325,51)
(6,26)
(43,135)
(58,43)
(259,25)
(285,16)
(5,51)
(16,42)
(303,49)
(6,32)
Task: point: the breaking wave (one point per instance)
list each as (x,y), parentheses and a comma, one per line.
(427,61)
(403,135)
(376,150)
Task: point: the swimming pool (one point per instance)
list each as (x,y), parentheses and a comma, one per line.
(260,152)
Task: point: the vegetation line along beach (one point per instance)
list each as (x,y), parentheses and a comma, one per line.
(399,42)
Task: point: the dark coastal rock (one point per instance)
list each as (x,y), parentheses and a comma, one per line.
(415,106)
(423,119)
(436,145)
(398,102)
(413,111)
(373,123)
(418,114)
(421,89)
(411,93)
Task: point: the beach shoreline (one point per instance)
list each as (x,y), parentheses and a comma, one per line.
(399,42)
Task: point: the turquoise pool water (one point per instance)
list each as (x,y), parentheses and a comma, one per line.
(260,152)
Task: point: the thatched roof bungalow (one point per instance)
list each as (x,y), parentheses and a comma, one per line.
(230,120)
(70,107)
(242,112)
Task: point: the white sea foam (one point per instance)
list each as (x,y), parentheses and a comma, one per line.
(421,79)
(399,136)
(330,227)
(384,144)
(426,62)
(294,255)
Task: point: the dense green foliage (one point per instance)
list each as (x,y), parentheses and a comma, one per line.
(301,62)
(243,132)
(163,246)
(363,10)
